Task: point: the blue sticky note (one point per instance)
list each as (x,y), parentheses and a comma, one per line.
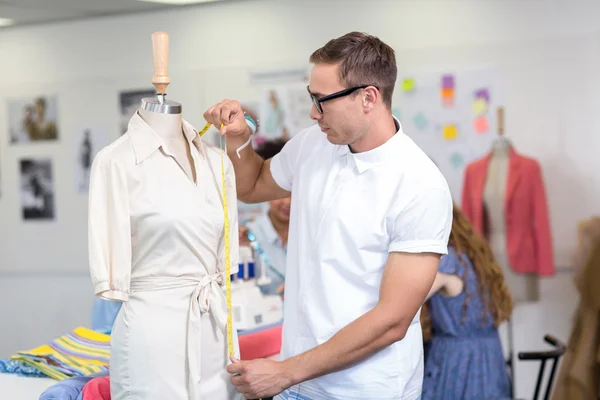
(457,160)
(420,121)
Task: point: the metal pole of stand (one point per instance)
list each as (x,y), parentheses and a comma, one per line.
(511,357)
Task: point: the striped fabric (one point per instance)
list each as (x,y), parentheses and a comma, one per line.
(79,353)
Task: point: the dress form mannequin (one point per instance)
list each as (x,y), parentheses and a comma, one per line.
(523,287)
(156,244)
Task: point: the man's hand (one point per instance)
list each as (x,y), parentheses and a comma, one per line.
(259,378)
(281,290)
(243,236)
(230,114)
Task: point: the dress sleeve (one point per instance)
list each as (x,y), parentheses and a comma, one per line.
(234,240)
(109,230)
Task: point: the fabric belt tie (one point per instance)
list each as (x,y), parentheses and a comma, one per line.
(207,296)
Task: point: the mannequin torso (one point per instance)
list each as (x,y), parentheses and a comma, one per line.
(522,287)
(169,128)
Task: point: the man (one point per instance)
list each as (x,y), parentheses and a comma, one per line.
(370,218)
(270,231)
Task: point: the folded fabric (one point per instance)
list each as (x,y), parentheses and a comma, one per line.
(79,353)
(97,389)
(71,388)
(19,368)
(261,343)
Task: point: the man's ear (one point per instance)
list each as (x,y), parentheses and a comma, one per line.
(370,97)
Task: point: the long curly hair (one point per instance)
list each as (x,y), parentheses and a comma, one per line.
(494,293)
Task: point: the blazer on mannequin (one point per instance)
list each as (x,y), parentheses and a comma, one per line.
(528,241)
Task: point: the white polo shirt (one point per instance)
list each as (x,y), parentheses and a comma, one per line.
(348,212)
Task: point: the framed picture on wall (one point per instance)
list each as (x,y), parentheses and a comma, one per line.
(129,102)
(87,143)
(37,189)
(33,119)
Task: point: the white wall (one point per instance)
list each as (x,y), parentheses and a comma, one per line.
(547,52)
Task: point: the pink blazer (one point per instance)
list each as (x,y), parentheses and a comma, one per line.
(528,240)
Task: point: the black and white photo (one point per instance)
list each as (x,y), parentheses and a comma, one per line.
(129,102)
(37,191)
(88,142)
(33,119)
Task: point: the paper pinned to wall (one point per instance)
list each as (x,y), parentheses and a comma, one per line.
(284,111)
(450,132)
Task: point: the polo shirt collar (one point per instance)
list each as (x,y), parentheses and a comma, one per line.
(146,141)
(368,159)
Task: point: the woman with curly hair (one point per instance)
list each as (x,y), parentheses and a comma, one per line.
(467,302)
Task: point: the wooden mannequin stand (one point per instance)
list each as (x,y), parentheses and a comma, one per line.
(161,79)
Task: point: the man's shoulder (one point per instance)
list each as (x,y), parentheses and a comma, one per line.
(417,170)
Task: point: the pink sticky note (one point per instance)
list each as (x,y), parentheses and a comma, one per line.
(481,124)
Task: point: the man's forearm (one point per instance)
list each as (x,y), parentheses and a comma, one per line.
(247,167)
(360,339)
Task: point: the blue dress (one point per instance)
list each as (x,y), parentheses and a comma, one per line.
(464,359)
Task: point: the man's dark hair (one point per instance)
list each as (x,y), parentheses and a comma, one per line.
(363,60)
(269,148)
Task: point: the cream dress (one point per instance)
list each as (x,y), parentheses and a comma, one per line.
(156,244)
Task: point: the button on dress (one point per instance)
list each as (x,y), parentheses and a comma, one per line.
(156,243)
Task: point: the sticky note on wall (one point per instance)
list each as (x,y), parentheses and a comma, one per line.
(448,81)
(480,107)
(483,94)
(408,84)
(420,121)
(457,160)
(447,97)
(481,124)
(449,132)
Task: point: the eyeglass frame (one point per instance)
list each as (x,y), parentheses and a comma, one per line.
(345,92)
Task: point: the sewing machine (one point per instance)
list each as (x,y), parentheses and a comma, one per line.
(252,308)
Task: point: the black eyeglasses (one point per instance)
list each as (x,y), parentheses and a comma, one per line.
(317,101)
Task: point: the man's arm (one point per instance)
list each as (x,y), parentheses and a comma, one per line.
(254,182)
(385,324)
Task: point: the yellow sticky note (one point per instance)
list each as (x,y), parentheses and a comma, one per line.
(450,132)
(480,107)
(408,84)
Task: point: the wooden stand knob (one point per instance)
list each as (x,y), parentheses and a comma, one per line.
(500,121)
(160,50)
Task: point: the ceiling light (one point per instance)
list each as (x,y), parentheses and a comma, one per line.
(179,2)
(6,21)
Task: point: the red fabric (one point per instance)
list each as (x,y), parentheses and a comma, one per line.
(97,389)
(261,344)
(528,237)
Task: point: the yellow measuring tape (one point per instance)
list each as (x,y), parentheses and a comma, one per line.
(227,245)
